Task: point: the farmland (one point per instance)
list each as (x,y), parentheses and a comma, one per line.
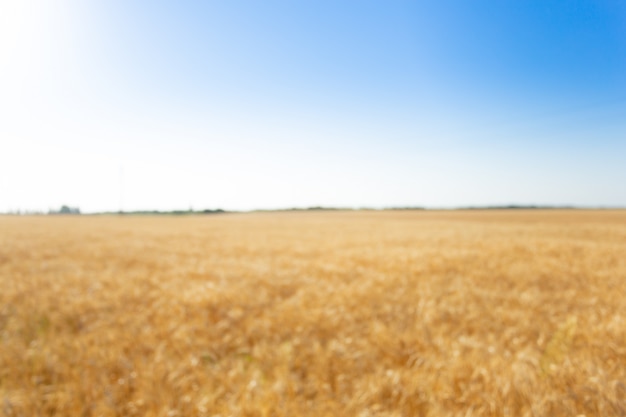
(433,313)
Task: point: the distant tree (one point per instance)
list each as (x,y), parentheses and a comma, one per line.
(69,210)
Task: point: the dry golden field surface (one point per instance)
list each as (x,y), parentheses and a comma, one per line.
(424,313)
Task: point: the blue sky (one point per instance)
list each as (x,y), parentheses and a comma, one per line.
(247,104)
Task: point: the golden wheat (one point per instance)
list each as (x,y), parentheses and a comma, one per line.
(512,313)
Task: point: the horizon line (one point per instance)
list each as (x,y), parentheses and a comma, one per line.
(20,212)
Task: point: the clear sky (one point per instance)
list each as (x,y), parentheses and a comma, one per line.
(263,104)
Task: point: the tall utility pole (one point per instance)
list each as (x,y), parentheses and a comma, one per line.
(121,188)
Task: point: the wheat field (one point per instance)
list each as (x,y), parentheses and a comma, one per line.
(423,313)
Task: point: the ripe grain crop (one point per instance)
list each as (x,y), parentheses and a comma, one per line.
(462,313)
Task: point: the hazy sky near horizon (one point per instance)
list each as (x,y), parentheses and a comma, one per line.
(264,104)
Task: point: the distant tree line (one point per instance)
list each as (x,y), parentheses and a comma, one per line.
(62,210)
(167,213)
(68,210)
(20,212)
(517,207)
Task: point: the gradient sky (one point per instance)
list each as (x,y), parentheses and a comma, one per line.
(265,104)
